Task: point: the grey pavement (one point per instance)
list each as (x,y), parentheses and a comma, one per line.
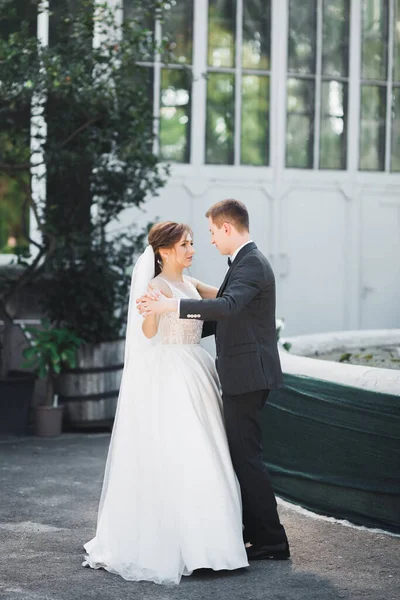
(49,496)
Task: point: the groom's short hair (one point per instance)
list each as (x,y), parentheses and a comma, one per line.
(229,211)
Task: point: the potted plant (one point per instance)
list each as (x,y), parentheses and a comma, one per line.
(51,350)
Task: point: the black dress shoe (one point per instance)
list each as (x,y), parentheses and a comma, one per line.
(275,552)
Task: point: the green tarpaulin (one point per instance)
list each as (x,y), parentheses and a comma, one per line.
(335,450)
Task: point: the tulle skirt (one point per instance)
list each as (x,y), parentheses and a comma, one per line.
(171,501)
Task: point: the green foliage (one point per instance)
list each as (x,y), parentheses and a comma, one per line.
(87,289)
(280,326)
(345,357)
(95,100)
(51,350)
(95,152)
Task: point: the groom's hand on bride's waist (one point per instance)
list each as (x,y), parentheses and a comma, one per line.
(155,303)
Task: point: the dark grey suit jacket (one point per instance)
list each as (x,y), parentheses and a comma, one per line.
(245,329)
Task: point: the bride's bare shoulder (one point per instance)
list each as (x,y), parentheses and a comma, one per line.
(161,285)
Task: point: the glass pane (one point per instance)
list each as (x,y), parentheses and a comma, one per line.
(221,33)
(333,125)
(178,28)
(145,77)
(15,133)
(302,36)
(129,9)
(59,26)
(146,18)
(255,120)
(175,115)
(300,123)
(396,56)
(372,138)
(14,214)
(134,9)
(220,118)
(256,34)
(142,13)
(374,39)
(16,11)
(335,38)
(395,166)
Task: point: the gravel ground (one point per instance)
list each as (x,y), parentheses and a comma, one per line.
(386,357)
(49,496)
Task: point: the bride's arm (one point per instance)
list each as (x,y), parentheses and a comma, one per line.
(150,325)
(206,291)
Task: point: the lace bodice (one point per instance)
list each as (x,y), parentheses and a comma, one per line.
(174,330)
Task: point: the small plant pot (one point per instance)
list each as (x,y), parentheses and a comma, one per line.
(48,421)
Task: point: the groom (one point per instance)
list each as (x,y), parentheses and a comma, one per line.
(242,316)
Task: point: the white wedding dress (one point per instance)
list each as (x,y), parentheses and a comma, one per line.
(172,501)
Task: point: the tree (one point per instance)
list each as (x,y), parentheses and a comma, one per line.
(86,95)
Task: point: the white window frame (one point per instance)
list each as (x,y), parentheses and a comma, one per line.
(238,70)
(388,84)
(157,65)
(199,96)
(318,78)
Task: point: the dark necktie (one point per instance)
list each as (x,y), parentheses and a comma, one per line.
(229,261)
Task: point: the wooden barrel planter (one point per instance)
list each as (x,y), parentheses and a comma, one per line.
(89,393)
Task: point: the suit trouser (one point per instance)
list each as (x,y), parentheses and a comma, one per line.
(242,415)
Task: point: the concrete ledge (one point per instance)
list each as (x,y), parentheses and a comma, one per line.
(386,381)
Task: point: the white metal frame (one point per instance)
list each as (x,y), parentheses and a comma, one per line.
(157,65)
(318,78)
(387,83)
(238,71)
(389,87)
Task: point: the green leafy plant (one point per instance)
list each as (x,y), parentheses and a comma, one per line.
(280,326)
(345,357)
(88,289)
(51,351)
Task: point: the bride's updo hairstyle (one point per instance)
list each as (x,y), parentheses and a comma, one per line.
(166,235)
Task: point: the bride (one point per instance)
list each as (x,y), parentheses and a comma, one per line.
(170,501)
